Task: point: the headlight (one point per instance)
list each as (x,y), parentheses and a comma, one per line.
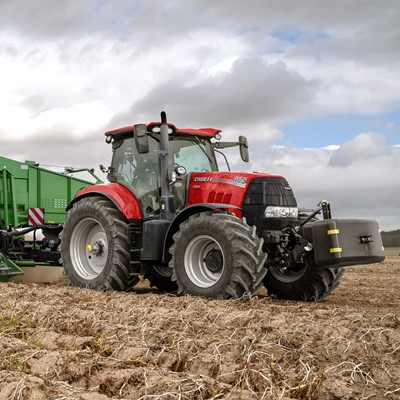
(281,212)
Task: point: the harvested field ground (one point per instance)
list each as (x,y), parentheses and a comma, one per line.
(58,342)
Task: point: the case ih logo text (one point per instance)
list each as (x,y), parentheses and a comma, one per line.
(202,179)
(240,181)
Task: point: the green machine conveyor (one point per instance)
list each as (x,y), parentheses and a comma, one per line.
(32,197)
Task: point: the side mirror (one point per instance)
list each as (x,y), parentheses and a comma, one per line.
(244,148)
(141,138)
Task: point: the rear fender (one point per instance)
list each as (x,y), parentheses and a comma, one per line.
(185,214)
(122,197)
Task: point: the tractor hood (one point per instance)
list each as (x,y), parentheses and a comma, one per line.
(232,187)
(267,201)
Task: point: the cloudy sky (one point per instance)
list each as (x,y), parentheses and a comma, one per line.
(314,85)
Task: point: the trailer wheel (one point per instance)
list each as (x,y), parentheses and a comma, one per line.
(95,247)
(302,283)
(160,277)
(217,255)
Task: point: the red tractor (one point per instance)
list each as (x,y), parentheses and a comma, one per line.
(167,213)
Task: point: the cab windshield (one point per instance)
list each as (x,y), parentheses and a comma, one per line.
(195,154)
(141,172)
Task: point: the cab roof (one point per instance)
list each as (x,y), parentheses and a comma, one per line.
(153,127)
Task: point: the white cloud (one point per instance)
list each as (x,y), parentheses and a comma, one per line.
(252,92)
(365,147)
(368,187)
(72,122)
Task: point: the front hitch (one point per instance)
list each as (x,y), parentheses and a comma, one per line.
(323,206)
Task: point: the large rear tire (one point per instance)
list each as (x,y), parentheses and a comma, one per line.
(302,283)
(95,247)
(217,255)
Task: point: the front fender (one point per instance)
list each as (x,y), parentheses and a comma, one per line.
(122,197)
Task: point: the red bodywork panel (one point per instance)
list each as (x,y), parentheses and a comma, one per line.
(221,187)
(123,198)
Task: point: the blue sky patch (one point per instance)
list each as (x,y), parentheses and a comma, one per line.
(336,129)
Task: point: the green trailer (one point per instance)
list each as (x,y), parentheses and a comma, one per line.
(33,198)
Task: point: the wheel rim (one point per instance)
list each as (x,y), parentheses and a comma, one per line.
(89,248)
(288,275)
(204,261)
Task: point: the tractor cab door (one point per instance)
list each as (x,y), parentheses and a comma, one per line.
(140,173)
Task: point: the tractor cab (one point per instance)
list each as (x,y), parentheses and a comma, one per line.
(136,161)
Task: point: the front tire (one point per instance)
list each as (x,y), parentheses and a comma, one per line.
(217,255)
(95,247)
(302,283)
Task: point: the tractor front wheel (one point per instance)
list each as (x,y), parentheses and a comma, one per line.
(95,246)
(302,282)
(217,255)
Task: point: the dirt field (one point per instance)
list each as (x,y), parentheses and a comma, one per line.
(58,342)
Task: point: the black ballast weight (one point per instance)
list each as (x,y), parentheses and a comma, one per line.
(344,242)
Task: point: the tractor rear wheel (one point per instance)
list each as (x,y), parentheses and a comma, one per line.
(159,277)
(302,283)
(95,247)
(217,255)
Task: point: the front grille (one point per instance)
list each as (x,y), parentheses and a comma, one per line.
(263,192)
(270,192)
